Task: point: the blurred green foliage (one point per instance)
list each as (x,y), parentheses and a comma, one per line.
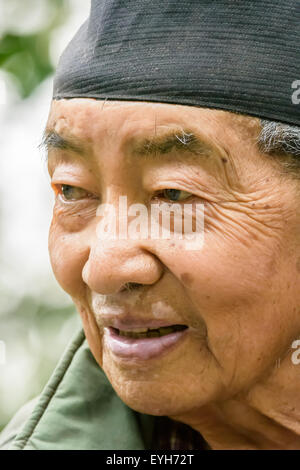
(25,57)
(35,332)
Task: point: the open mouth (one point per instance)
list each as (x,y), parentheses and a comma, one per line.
(150,332)
(143,343)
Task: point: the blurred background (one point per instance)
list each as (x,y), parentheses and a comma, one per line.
(37,318)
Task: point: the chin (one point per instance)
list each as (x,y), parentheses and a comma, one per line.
(155,397)
(153,405)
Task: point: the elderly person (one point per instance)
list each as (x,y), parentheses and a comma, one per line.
(191,102)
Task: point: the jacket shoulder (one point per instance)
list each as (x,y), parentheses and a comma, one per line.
(27,415)
(9,433)
(77,409)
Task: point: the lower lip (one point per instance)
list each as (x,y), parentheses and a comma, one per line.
(144,348)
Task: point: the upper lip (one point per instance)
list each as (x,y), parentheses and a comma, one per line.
(129,322)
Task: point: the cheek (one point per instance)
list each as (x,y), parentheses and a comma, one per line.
(232,290)
(68,255)
(220,275)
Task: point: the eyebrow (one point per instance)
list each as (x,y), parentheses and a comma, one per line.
(181,140)
(52,140)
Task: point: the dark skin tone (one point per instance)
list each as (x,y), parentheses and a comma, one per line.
(239,295)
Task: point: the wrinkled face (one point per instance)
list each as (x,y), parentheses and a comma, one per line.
(235,299)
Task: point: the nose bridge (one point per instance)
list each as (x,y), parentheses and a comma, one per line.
(114,262)
(115,259)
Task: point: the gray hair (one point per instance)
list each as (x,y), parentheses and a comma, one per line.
(281,140)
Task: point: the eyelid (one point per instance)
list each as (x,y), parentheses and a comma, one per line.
(161,191)
(57,187)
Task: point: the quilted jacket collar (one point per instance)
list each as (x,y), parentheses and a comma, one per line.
(79,409)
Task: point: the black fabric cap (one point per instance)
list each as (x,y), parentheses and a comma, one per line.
(235,55)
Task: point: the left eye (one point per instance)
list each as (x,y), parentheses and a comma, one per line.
(175,194)
(73,193)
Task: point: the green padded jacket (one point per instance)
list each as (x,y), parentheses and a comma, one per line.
(78,409)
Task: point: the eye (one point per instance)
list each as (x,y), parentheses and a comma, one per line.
(175,194)
(73,193)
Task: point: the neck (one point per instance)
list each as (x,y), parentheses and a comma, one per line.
(267,416)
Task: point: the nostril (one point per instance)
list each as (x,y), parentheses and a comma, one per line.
(129,286)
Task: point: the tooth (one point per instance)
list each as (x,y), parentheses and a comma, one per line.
(166,330)
(138,335)
(125,333)
(150,332)
(137,330)
(133,334)
(143,335)
(153,334)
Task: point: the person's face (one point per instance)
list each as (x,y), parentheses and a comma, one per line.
(238,295)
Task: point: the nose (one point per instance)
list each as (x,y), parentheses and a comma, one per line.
(113,265)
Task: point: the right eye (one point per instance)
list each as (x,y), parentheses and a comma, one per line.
(72,193)
(176,194)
